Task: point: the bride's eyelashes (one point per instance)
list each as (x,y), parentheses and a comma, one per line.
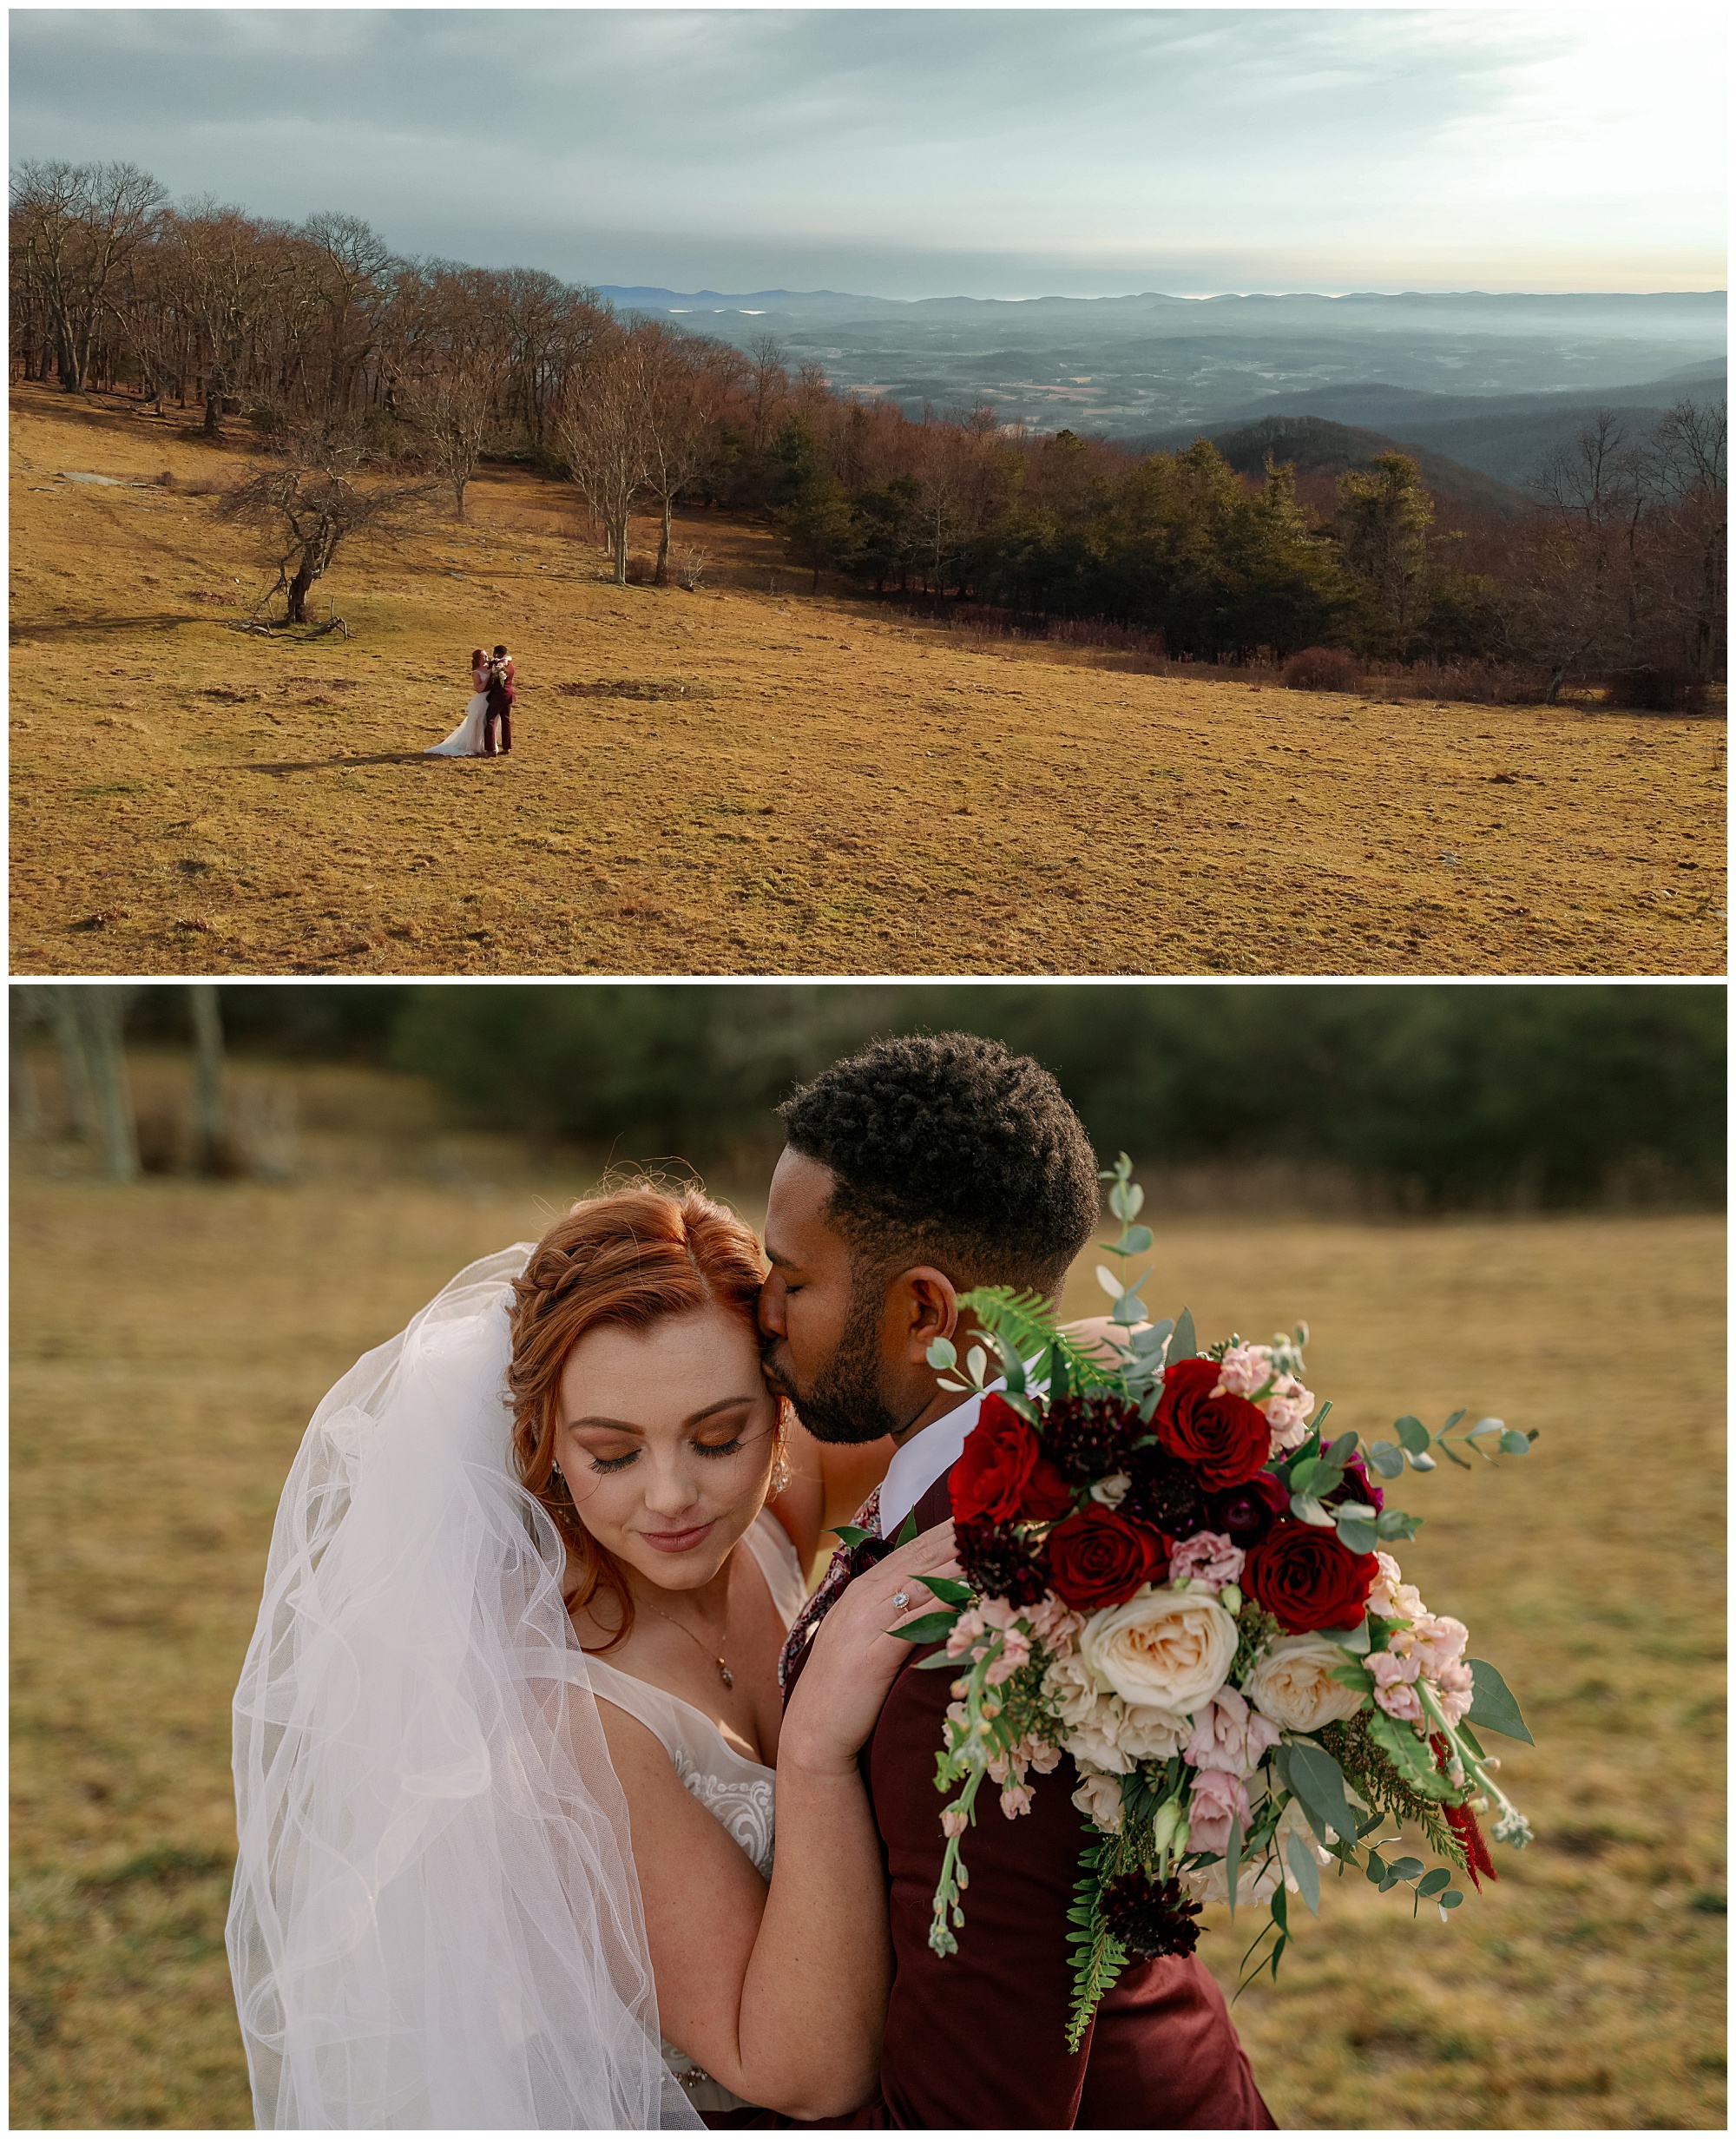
(607,1465)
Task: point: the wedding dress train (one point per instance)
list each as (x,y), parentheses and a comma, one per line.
(466,740)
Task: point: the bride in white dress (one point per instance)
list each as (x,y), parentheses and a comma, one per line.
(490,1877)
(466,740)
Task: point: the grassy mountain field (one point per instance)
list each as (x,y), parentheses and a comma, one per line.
(747,779)
(173,1338)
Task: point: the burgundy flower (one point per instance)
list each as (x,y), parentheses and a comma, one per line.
(1225,1437)
(1246,1513)
(1098,1557)
(1000,1452)
(1307,1580)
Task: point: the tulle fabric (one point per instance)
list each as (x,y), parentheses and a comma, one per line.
(466,740)
(436,1922)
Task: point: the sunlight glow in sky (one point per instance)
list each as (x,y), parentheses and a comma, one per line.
(990,153)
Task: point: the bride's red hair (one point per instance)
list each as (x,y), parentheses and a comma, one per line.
(633,1257)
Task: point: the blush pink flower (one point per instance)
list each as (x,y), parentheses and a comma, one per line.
(1245,1369)
(1216,1800)
(1395,1684)
(1015,1798)
(1229,1736)
(1014,1654)
(1392,1597)
(1208,1558)
(1455,1689)
(953,1820)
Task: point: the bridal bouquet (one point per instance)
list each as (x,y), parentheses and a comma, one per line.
(1175,1577)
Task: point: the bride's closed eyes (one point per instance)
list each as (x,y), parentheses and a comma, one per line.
(717,1431)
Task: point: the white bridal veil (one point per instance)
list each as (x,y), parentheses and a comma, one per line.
(436,1922)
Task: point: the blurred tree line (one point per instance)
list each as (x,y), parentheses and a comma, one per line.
(1441,1097)
(375,383)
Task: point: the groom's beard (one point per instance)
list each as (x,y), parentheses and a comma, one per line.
(845,1404)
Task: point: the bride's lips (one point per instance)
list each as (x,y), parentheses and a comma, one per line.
(678,1540)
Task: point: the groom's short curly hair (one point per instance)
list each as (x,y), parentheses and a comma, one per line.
(950,1150)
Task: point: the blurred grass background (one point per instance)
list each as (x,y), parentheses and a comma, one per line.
(173,1333)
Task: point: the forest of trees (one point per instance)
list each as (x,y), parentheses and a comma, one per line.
(1436,1098)
(371,383)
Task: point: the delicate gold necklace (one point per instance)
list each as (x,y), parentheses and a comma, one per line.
(723,1669)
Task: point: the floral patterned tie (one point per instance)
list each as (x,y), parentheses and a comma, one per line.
(846,1564)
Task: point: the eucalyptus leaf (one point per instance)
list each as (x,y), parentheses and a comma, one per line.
(1387,1458)
(975,1363)
(942,1352)
(1111,1284)
(1428,1463)
(1183,1345)
(1342,1450)
(1356,1533)
(1233,1860)
(1128,1310)
(1138,1239)
(1306,1510)
(1451,1901)
(1148,1343)
(1304,1864)
(1353,1639)
(1406,1867)
(1515,1443)
(1318,1784)
(1433,1881)
(1492,1706)
(1412,1434)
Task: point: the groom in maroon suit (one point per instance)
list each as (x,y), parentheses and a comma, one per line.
(920,1168)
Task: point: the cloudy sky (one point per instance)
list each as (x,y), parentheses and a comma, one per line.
(914,153)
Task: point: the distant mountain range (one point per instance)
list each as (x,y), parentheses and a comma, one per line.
(1490,382)
(1699,313)
(1502,438)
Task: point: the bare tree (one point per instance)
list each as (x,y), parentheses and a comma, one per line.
(770,384)
(604,430)
(316,498)
(688,381)
(207,1048)
(75,226)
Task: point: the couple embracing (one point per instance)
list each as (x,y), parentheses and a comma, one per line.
(561,1805)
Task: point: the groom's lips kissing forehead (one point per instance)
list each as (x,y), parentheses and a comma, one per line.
(678,1540)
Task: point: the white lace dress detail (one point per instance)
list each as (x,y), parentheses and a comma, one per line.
(739,1794)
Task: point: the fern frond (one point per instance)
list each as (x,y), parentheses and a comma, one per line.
(1027,1321)
(1098,1956)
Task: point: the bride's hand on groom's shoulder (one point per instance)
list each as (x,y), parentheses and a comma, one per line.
(857,1654)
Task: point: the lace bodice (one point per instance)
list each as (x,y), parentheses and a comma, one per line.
(739,1792)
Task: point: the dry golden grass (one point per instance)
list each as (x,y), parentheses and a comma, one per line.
(171,1341)
(838,791)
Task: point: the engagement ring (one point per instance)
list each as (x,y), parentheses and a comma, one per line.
(901,1602)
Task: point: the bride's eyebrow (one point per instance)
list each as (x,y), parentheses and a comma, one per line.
(694,1418)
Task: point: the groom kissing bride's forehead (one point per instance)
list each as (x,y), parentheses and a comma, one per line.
(914,1172)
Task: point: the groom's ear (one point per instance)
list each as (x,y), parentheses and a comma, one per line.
(925,1306)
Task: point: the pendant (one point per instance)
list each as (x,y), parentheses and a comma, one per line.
(725,1673)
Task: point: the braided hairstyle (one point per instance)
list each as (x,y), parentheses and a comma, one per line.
(631,1257)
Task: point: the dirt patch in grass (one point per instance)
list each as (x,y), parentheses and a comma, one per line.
(933,804)
(172,1340)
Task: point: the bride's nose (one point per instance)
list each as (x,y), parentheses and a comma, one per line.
(674,1488)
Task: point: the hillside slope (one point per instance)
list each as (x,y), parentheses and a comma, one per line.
(745,780)
(1317,447)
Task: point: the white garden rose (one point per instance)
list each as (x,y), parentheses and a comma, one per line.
(1164,1648)
(1147,1733)
(1070,1686)
(1292,1683)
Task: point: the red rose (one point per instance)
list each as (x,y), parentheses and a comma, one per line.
(1097,1559)
(1225,1437)
(1307,1580)
(1048,1495)
(1000,1453)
